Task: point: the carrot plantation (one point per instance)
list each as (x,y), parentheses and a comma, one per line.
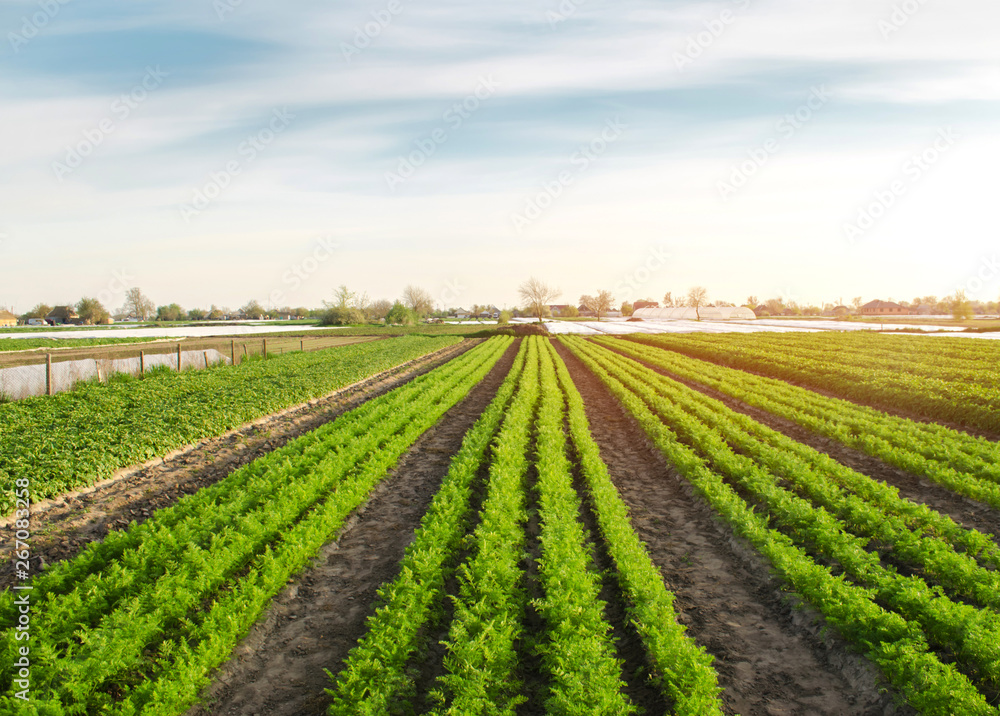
(515,525)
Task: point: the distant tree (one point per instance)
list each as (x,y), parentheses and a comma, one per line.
(253,309)
(378,310)
(418,300)
(400,315)
(775,306)
(600,304)
(196,314)
(92,312)
(696,298)
(346,316)
(170,312)
(961,308)
(343,297)
(569,312)
(216,314)
(668,300)
(856,304)
(752,302)
(504,319)
(537,296)
(39,311)
(627,309)
(587,302)
(137,304)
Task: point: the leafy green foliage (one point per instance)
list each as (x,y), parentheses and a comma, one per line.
(940,378)
(896,620)
(76,438)
(137,622)
(374,677)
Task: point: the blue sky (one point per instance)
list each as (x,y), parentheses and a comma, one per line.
(218,151)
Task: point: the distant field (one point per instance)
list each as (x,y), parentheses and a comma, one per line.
(24,344)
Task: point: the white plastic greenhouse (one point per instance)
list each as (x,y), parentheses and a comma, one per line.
(684,313)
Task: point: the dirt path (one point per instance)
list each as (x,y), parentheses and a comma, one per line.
(771,659)
(61,527)
(964,511)
(278,669)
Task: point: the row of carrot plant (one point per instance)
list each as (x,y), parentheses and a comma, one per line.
(961,462)
(137,622)
(846,555)
(968,396)
(76,438)
(483,665)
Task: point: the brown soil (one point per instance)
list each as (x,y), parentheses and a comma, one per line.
(312,625)
(965,511)
(771,658)
(61,527)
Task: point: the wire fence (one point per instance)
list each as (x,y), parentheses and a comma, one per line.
(25,374)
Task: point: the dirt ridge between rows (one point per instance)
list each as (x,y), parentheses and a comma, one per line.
(278,668)
(772,657)
(63,525)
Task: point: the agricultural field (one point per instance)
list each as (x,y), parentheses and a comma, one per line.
(515,524)
(25,344)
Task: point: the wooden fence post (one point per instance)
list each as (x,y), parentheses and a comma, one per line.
(178,357)
(142,362)
(265,348)
(232,350)
(205,353)
(302,345)
(48,374)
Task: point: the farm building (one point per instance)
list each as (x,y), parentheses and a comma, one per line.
(7,319)
(686,313)
(62,314)
(884,308)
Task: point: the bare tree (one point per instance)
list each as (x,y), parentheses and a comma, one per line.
(537,296)
(696,298)
(602,303)
(418,300)
(752,302)
(856,303)
(668,300)
(138,304)
(377,310)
